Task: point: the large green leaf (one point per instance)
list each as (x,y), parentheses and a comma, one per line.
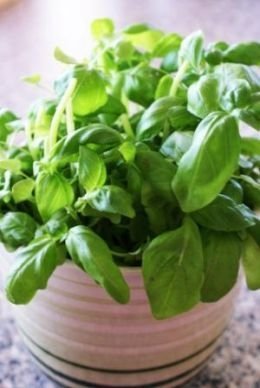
(22,190)
(176,145)
(111,199)
(143,36)
(141,83)
(158,171)
(222,253)
(167,44)
(31,270)
(247,53)
(90,93)
(92,254)
(173,270)
(223,214)
(98,134)
(251,263)
(204,95)
(102,28)
(92,169)
(228,72)
(6,116)
(17,229)
(209,163)
(152,120)
(52,192)
(191,49)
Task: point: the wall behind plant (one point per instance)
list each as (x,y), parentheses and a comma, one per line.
(29,30)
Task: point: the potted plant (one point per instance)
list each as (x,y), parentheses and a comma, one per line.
(135,193)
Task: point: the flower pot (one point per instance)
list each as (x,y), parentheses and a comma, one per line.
(80,337)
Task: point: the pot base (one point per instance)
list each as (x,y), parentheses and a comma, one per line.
(69,382)
(81,338)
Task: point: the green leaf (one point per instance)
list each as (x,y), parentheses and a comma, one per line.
(32,79)
(251,263)
(111,199)
(142,36)
(251,190)
(234,190)
(128,151)
(191,49)
(124,51)
(247,53)
(113,106)
(57,226)
(237,94)
(181,119)
(254,230)
(22,190)
(98,134)
(222,253)
(158,171)
(250,115)
(250,145)
(161,213)
(17,229)
(102,28)
(204,95)
(52,192)
(92,169)
(92,254)
(173,271)
(209,163)
(6,116)
(167,44)
(164,86)
(63,57)
(214,53)
(229,72)
(136,28)
(141,83)
(90,92)
(170,62)
(223,214)
(176,145)
(152,120)
(31,270)
(13,165)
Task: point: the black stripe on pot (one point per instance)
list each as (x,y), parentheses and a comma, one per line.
(121,371)
(88,384)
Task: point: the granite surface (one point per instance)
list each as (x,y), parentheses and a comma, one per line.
(235,364)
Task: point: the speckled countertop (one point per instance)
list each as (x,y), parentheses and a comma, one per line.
(29,30)
(235,364)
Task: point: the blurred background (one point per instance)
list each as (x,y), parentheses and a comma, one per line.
(30,29)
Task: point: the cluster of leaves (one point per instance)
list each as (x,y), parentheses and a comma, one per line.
(138,160)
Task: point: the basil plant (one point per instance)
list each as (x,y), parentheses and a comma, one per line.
(138,158)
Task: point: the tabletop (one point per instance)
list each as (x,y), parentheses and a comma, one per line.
(29,31)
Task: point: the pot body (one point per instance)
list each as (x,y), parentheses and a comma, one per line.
(80,337)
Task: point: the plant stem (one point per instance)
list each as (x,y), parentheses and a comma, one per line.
(178,78)
(58,115)
(127,126)
(28,133)
(69,117)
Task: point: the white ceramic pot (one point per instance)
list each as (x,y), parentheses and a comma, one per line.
(80,337)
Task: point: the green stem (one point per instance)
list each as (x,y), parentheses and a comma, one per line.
(178,78)
(58,115)
(127,126)
(69,117)
(28,133)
